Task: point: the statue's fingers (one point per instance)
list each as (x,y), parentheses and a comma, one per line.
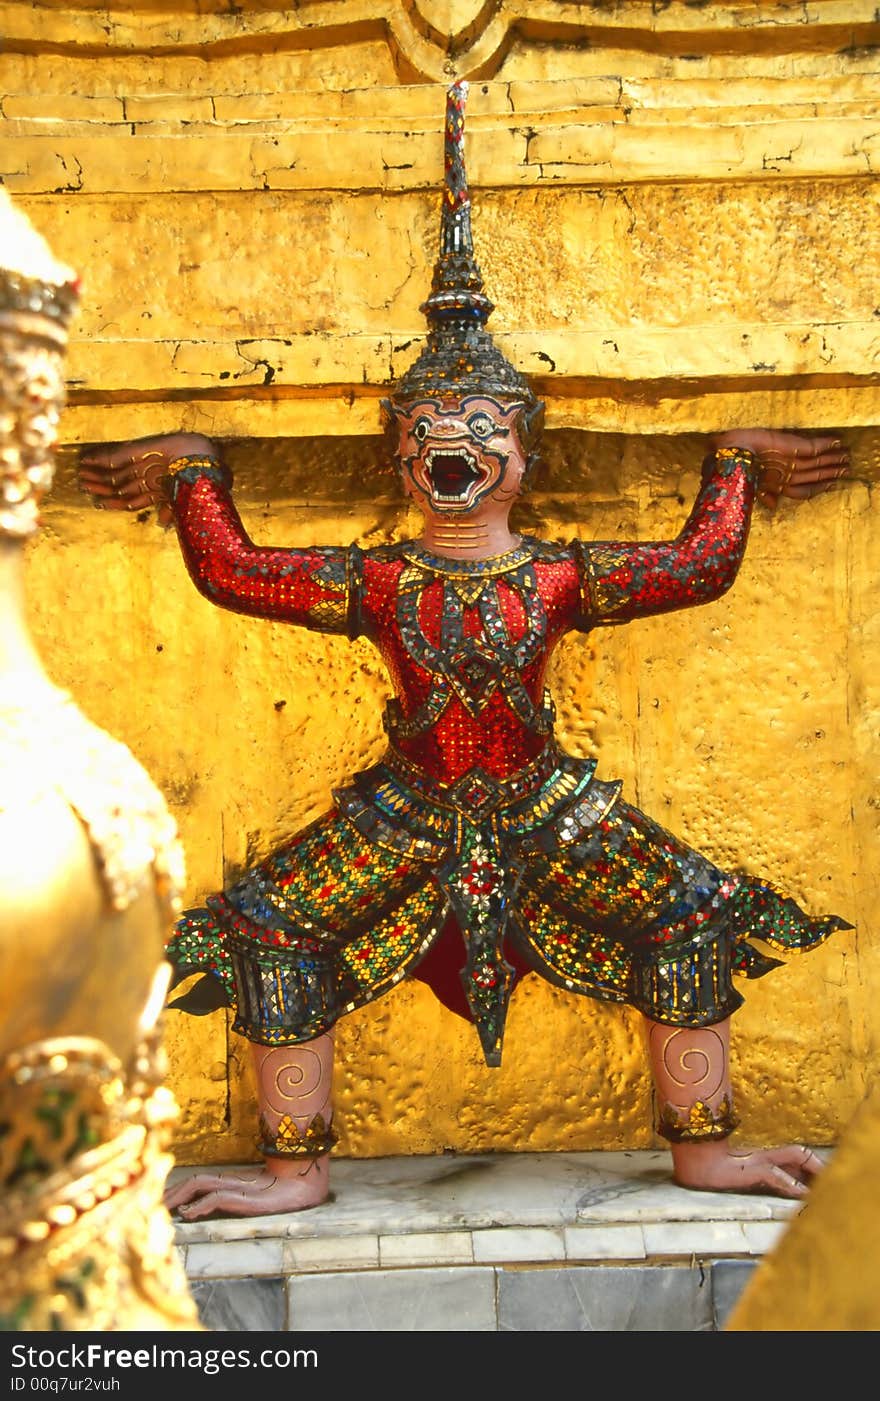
(819,471)
(830,456)
(130,487)
(201,1184)
(799,1161)
(814,446)
(778,1180)
(98,486)
(142,502)
(806,476)
(236,1203)
(97,452)
(107,480)
(192,1187)
(204,1206)
(107,459)
(810,483)
(94,474)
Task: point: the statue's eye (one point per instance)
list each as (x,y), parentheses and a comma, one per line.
(481,425)
(421,429)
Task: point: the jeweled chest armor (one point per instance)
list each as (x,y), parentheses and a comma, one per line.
(468,662)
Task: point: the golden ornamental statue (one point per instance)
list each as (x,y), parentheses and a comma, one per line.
(91,871)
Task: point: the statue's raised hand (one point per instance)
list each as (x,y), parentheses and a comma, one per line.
(133,476)
(792,464)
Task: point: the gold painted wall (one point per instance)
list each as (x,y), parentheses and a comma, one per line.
(676,214)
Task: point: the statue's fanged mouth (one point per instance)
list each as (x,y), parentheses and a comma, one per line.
(453,473)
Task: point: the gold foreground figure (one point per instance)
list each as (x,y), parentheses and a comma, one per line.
(91,871)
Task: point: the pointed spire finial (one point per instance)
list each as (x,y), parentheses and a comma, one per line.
(460,356)
(457,288)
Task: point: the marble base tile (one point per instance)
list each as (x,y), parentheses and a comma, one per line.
(234,1258)
(604,1243)
(241,1305)
(394,1301)
(431,1248)
(696,1237)
(331,1253)
(762,1236)
(729,1279)
(518,1243)
(600,1299)
(654,1197)
(605,1298)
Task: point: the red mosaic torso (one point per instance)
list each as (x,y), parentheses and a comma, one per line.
(467,653)
(466,645)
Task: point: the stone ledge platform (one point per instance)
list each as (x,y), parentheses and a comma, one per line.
(531,1242)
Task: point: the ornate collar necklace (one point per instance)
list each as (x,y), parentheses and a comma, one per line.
(496,564)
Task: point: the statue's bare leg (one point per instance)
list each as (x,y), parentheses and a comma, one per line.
(691,1069)
(294,1093)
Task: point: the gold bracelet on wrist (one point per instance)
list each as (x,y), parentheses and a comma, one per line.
(743,456)
(287,1140)
(200,460)
(697,1123)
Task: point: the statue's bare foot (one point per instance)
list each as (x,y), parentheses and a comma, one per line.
(715,1167)
(283,1184)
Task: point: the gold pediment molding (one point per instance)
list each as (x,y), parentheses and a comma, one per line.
(451,26)
(435,40)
